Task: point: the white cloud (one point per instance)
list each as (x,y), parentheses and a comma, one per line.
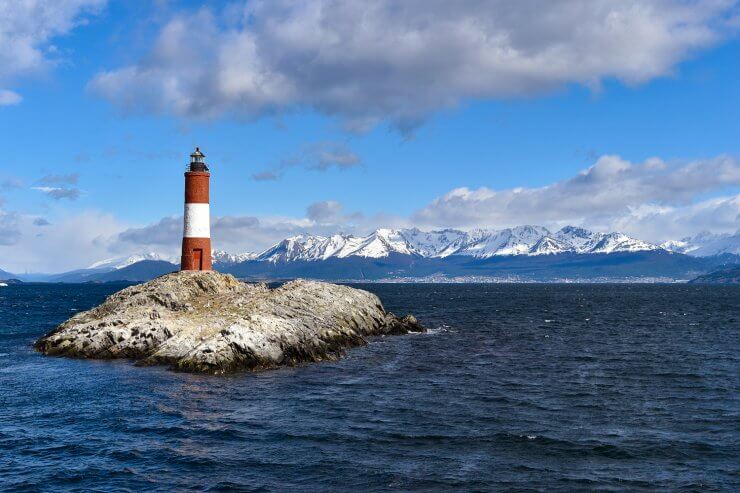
(59,193)
(611,194)
(9,98)
(660,223)
(27,28)
(324,211)
(400,61)
(70,242)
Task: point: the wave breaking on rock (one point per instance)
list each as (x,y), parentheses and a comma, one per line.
(209,322)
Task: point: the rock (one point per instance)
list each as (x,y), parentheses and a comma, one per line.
(213,323)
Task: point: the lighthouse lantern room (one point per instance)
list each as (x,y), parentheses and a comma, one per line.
(196,241)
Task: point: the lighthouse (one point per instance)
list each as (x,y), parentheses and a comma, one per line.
(196,241)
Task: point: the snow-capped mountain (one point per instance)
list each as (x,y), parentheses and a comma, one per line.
(121,262)
(479,243)
(616,242)
(224,258)
(313,247)
(511,241)
(706,244)
(549,246)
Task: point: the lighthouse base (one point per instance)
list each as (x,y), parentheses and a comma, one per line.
(196,254)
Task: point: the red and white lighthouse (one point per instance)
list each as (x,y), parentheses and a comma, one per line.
(196,241)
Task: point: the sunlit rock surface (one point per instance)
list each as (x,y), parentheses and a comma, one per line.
(213,323)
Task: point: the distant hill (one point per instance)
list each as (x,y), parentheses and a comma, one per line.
(143,270)
(6,275)
(729,275)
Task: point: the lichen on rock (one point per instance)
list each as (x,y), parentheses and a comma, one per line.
(213,323)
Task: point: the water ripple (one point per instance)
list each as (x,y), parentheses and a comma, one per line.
(557,388)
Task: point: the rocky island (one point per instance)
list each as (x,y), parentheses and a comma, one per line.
(204,321)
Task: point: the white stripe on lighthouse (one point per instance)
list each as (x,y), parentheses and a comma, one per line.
(197,221)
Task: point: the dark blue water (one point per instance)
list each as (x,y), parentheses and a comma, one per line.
(523,387)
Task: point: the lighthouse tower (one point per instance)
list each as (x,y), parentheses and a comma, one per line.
(196,241)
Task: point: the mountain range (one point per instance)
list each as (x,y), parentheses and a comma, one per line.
(479,243)
(522,253)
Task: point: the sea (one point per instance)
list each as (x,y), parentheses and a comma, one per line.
(515,387)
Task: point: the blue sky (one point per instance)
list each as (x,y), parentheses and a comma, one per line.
(390,116)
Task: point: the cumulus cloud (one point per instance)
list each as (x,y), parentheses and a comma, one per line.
(59,193)
(602,196)
(660,223)
(400,61)
(27,28)
(319,156)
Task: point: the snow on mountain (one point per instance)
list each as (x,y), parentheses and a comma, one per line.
(618,242)
(578,239)
(705,244)
(224,258)
(379,244)
(310,247)
(434,243)
(382,243)
(511,241)
(549,246)
(121,262)
(479,243)
(677,246)
(300,247)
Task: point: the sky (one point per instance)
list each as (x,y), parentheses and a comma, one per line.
(327,116)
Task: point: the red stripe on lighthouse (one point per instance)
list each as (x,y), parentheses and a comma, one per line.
(196,187)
